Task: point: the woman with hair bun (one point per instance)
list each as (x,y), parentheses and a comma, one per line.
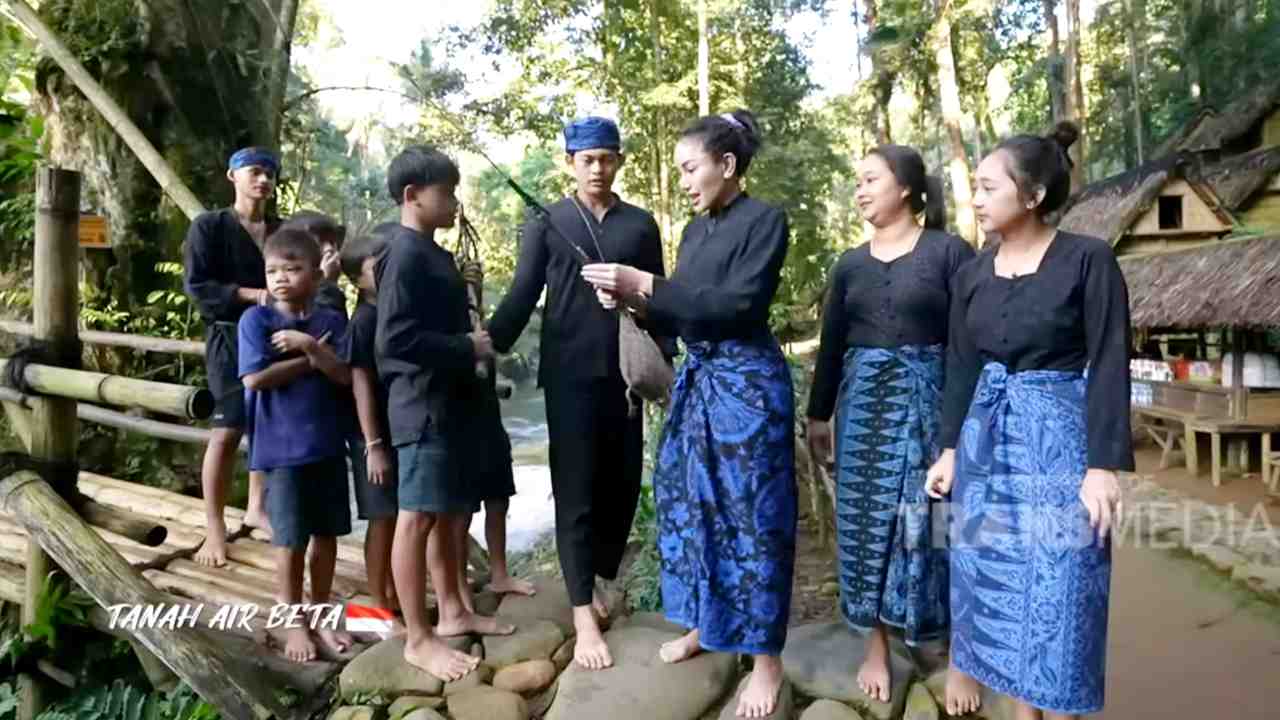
(1036,422)
(880,370)
(725,478)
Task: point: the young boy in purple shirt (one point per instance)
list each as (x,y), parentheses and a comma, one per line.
(296,405)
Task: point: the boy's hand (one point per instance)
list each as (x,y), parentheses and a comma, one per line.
(287,341)
(330,264)
(378,464)
(482,343)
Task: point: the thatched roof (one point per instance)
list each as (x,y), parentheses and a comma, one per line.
(1211,130)
(1237,178)
(1231,282)
(1107,208)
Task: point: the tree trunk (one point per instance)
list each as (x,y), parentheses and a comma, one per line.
(704,61)
(882,81)
(178,74)
(1075,94)
(1056,82)
(285,18)
(664,185)
(1191,49)
(1135,16)
(952,118)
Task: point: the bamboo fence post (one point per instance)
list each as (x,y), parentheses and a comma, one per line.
(111,111)
(55,311)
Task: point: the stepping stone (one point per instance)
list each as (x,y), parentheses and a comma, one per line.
(551,603)
(822,661)
(640,686)
(382,670)
(357,712)
(525,678)
(921,705)
(408,704)
(564,655)
(421,714)
(533,640)
(486,703)
(785,710)
(486,602)
(651,620)
(830,710)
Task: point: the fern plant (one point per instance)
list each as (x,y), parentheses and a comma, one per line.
(122,701)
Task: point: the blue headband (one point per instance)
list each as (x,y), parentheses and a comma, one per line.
(591,133)
(254,156)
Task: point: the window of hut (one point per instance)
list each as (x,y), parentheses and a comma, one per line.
(1170,212)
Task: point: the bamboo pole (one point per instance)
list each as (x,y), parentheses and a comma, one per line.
(100,570)
(111,111)
(55,312)
(181,401)
(14,403)
(138,528)
(112,339)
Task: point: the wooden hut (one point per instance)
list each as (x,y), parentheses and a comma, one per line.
(1217,175)
(1231,284)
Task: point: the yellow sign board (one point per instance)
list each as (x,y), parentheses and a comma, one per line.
(93,232)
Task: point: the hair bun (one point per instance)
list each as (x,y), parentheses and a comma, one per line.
(1065,134)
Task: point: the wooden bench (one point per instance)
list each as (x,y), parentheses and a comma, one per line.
(1166,428)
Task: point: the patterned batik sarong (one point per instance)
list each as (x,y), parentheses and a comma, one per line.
(726,497)
(1029,580)
(893,566)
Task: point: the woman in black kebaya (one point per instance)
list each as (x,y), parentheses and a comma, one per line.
(1036,422)
(880,371)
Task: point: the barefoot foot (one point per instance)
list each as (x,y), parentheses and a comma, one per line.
(213,551)
(681,649)
(336,642)
(255,518)
(439,660)
(473,624)
(760,697)
(873,674)
(589,649)
(298,645)
(964,694)
(510,585)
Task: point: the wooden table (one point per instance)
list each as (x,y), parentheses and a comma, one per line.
(1165,435)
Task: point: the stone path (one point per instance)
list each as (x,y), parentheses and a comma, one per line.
(1186,640)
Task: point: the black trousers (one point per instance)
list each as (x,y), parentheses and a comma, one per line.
(597,455)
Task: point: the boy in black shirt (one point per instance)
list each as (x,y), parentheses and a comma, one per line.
(330,235)
(426,354)
(224,275)
(373,467)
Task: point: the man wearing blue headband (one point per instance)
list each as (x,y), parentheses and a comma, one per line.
(597,446)
(224,275)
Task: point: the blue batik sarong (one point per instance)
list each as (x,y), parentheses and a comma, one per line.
(725,491)
(887,435)
(1029,579)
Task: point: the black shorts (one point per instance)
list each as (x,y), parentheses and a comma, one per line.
(222,363)
(308,500)
(373,502)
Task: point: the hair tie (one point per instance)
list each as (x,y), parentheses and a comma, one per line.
(729,118)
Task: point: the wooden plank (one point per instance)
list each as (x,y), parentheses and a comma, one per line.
(1215,453)
(202,591)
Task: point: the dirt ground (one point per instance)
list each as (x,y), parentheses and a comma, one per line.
(1184,642)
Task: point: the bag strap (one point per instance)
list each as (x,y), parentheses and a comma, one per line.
(590,229)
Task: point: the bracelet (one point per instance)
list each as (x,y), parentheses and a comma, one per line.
(370,445)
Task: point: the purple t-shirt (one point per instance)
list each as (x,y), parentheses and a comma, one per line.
(302,422)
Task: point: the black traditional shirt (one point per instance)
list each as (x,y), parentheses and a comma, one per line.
(1071,313)
(219,257)
(871,303)
(579,337)
(727,272)
(425,358)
